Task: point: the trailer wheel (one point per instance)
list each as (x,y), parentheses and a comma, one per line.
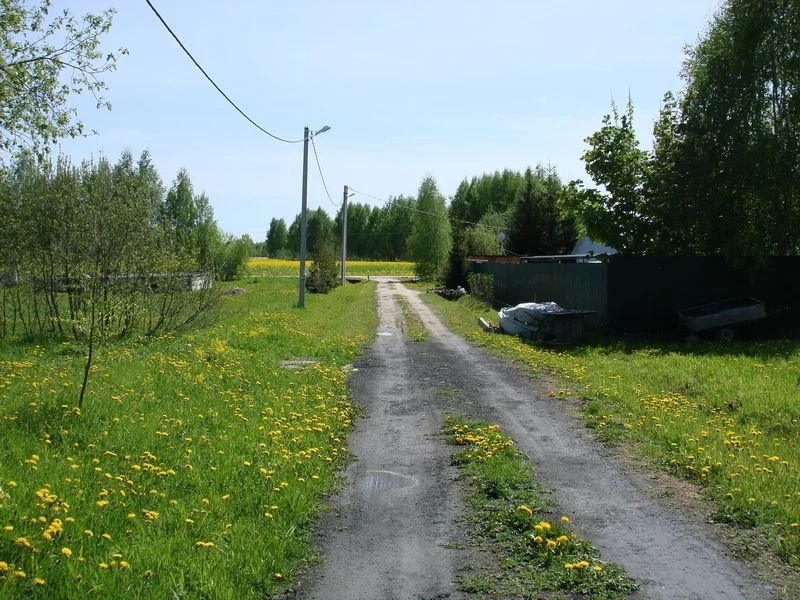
(726,334)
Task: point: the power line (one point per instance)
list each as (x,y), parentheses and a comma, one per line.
(224,95)
(316,158)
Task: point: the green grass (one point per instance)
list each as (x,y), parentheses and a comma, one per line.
(413,327)
(270,267)
(197,462)
(724,416)
(538,553)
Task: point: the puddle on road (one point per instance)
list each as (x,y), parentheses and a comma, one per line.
(385,333)
(380,481)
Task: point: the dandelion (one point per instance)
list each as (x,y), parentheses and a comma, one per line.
(66,552)
(551,544)
(105,536)
(565,519)
(3,566)
(525,509)
(562,539)
(597,568)
(103,565)
(38,581)
(124,565)
(88,533)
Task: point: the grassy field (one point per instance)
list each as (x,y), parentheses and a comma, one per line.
(271,267)
(197,462)
(724,416)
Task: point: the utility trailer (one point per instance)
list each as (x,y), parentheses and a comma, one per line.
(722,318)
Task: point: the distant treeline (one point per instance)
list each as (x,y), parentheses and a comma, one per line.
(525,207)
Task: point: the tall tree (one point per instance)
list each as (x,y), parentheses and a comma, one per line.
(276,238)
(740,120)
(180,211)
(538,225)
(616,214)
(430,241)
(45,59)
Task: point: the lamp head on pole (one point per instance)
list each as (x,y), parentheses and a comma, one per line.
(323,130)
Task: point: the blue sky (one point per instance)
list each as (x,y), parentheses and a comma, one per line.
(448,88)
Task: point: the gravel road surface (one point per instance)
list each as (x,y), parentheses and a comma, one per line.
(390,533)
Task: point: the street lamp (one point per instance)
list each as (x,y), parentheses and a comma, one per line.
(301,303)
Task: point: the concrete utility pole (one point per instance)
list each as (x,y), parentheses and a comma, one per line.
(301,303)
(344,235)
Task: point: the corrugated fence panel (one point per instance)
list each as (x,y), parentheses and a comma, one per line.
(579,286)
(645,293)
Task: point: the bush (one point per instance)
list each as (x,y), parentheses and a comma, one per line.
(323,275)
(481,286)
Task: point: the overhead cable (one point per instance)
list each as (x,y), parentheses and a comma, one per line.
(224,95)
(316,158)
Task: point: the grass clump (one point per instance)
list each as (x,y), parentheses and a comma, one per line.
(722,415)
(538,553)
(198,461)
(412,325)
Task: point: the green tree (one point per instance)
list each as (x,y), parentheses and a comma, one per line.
(180,212)
(615,215)
(276,238)
(323,275)
(430,242)
(43,60)
(538,223)
(739,130)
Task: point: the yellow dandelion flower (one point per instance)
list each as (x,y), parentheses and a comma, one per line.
(8,528)
(88,532)
(562,539)
(20,574)
(124,565)
(569,566)
(525,509)
(105,536)
(103,565)
(551,544)
(597,568)
(278,576)
(565,519)
(3,566)
(148,573)
(66,552)
(38,581)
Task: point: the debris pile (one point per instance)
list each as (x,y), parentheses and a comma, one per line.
(449,293)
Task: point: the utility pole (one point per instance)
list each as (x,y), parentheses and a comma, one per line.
(344,235)
(301,303)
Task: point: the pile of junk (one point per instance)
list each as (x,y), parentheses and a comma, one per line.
(544,321)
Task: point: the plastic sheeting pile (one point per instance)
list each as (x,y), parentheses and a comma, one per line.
(527,317)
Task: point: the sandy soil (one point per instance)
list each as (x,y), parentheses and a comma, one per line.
(391,532)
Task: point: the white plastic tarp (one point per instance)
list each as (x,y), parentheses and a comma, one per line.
(526,317)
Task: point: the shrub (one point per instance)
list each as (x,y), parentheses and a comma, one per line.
(481,286)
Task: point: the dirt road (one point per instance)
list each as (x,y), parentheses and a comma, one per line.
(390,532)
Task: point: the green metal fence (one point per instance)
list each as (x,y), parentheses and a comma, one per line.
(645,293)
(579,286)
